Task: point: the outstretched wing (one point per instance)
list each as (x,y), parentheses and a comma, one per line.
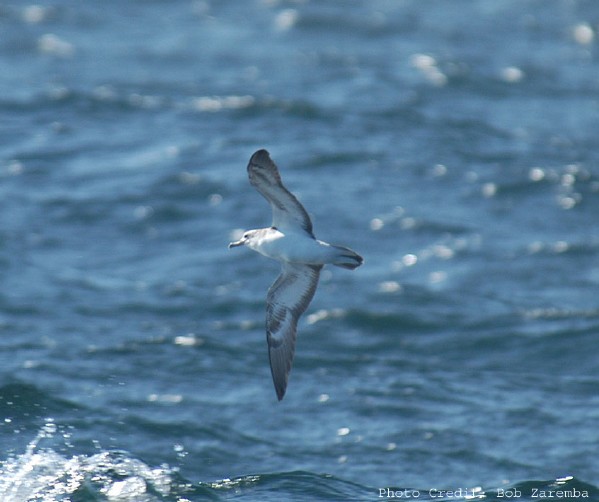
(287,212)
(287,300)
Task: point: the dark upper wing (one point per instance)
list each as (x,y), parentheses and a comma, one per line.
(287,300)
(287,212)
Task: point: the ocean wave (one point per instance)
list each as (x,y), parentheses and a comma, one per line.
(43,474)
(106,98)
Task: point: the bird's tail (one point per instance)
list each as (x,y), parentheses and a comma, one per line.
(346,258)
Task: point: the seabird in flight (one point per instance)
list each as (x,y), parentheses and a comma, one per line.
(289,240)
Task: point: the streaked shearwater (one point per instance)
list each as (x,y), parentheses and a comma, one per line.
(289,240)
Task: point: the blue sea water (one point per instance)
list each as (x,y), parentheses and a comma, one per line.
(454,145)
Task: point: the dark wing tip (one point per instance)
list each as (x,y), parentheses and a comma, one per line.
(279,379)
(261,155)
(280,390)
(280,366)
(280,356)
(261,169)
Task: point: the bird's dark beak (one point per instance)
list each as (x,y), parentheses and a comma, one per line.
(240,242)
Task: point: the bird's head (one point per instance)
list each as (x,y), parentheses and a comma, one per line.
(245,239)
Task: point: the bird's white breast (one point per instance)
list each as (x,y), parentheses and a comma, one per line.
(296,247)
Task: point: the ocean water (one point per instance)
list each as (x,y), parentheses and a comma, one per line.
(454,145)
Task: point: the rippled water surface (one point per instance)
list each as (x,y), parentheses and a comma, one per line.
(453,144)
